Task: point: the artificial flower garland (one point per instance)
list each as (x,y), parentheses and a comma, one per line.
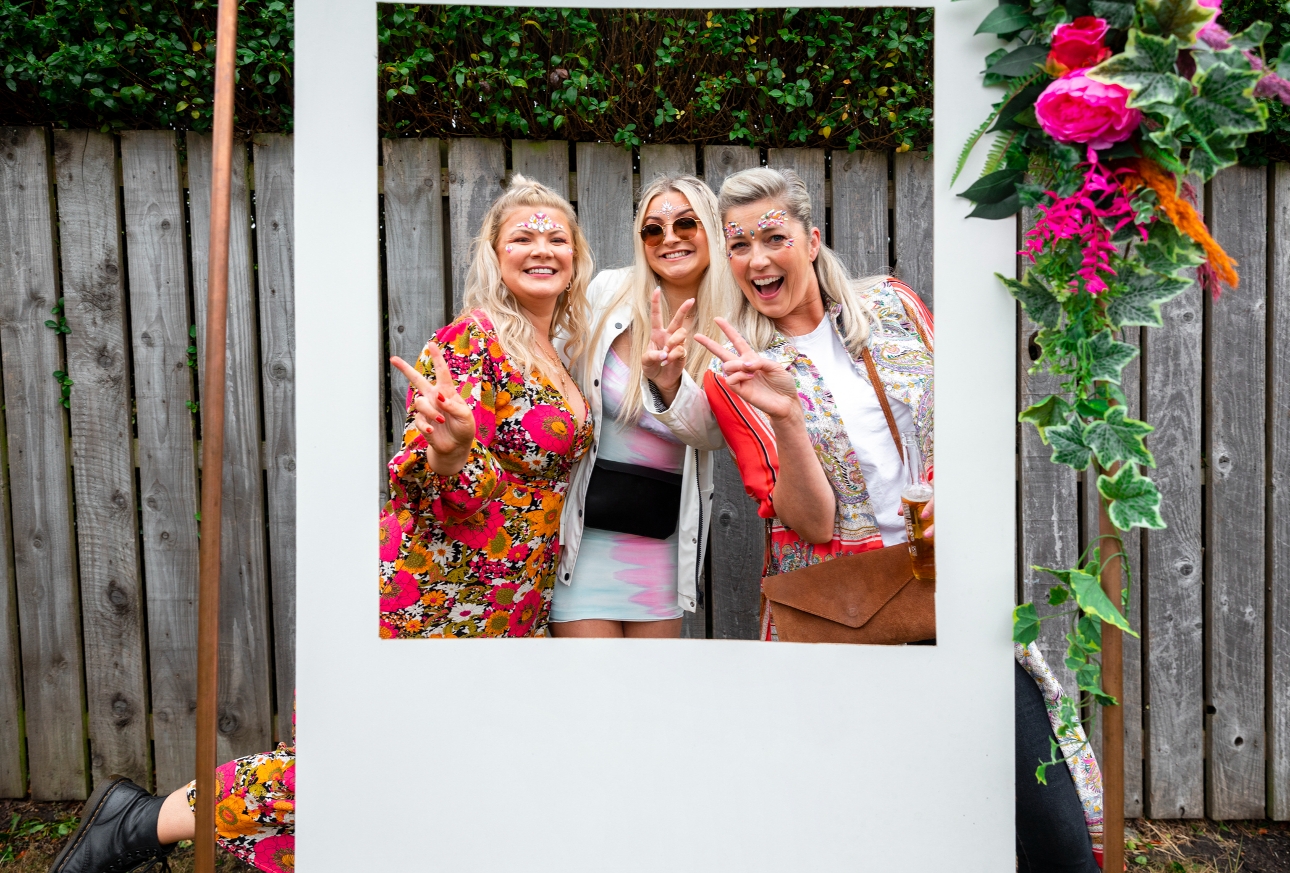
(1113,111)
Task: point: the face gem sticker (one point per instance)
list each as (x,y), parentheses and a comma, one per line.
(733,230)
(788,243)
(539,223)
(510,249)
(666,208)
(729,255)
(774,218)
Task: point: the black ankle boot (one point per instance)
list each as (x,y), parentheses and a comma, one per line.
(117,834)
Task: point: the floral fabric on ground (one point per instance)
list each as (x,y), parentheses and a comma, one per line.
(475,554)
(1076,749)
(255,807)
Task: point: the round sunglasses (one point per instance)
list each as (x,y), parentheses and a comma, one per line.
(685,227)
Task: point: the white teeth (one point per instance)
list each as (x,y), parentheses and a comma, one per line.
(540,271)
(760,282)
(674,255)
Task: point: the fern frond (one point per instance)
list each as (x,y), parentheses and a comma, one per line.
(971,143)
(1016,87)
(999,150)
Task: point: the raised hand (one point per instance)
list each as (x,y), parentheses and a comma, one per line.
(664,359)
(444,419)
(760,381)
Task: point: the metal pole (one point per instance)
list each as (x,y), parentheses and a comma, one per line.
(213,439)
(1112,716)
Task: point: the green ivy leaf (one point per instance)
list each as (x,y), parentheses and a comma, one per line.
(1068,445)
(1043,415)
(1040,303)
(1179,18)
(1147,68)
(1025,624)
(1251,39)
(1224,102)
(1169,251)
(1088,631)
(1144,292)
(1117,15)
(1093,601)
(1119,438)
(1057,595)
(1006,18)
(1106,356)
(1020,61)
(1134,500)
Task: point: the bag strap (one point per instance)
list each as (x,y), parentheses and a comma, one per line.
(876,383)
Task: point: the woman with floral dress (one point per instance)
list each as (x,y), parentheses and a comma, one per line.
(470,536)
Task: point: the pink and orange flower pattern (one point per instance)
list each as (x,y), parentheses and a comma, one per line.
(475,554)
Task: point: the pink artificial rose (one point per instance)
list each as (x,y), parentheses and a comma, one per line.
(1078,45)
(1074,108)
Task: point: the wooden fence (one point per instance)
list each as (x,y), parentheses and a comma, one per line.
(97,603)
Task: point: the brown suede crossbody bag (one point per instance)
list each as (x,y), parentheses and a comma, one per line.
(870,597)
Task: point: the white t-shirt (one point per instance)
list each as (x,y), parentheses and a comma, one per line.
(866,425)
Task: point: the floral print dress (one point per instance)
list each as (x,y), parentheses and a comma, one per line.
(475,553)
(255,807)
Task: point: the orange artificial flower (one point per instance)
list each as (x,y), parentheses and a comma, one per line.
(1183,215)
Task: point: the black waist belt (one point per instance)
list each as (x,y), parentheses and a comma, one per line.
(630,499)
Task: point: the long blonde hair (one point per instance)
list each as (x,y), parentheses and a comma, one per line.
(715,295)
(485,289)
(786,189)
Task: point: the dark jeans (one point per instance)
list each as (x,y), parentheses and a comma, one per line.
(1051,834)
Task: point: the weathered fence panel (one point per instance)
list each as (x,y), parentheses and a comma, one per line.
(476,171)
(44,562)
(859,215)
(605,202)
(1236,358)
(156,252)
(809,165)
(274,228)
(915,185)
(245,705)
(1238,630)
(1173,578)
(1278,570)
(103,454)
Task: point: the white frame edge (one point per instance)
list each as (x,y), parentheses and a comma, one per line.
(641,755)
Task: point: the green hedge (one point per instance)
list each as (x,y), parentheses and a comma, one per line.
(775,77)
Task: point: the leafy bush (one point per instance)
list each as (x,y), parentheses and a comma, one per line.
(119,65)
(1274,143)
(783,77)
(778,77)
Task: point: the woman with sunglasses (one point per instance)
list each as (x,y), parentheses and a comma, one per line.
(637,514)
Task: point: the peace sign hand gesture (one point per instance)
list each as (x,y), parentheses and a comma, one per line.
(760,381)
(664,359)
(444,419)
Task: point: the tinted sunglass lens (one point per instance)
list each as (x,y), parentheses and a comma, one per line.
(685,228)
(652,234)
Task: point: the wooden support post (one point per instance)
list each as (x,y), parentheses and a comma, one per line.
(212,399)
(1113,716)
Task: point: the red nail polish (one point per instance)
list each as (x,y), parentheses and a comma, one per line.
(440,396)
(439,418)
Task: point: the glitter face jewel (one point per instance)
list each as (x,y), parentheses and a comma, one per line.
(666,208)
(729,255)
(539,223)
(733,230)
(774,218)
(788,243)
(510,249)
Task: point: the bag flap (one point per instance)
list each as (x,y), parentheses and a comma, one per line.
(849,589)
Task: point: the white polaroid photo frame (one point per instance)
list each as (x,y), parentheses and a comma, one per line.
(641,755)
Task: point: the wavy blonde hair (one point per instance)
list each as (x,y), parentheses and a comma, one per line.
(485,289)
(716,294)
(787,190)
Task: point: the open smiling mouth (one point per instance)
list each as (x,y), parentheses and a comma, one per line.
(540,271)
(677,255)
(768,287)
